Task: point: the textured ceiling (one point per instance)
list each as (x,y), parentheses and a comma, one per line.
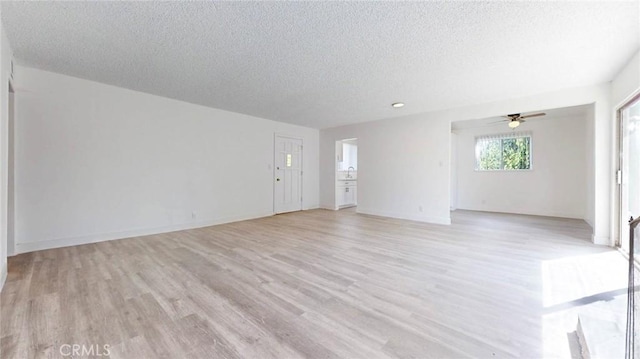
(323,64)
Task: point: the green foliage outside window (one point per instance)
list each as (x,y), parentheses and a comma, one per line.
(503,154)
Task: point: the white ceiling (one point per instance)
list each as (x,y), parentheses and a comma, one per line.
(323,64)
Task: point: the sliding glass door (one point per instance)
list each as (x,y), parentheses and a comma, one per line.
(630,167)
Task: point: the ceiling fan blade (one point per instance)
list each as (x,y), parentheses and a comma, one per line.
(534,115)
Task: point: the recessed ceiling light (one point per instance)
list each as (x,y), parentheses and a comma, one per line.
(397,104)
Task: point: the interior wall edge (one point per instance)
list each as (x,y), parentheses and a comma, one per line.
(407,216)
(528,213)
(3,275)
(601,240)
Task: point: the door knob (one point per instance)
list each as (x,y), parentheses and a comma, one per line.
(278,179)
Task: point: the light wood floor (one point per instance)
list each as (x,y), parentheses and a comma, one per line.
(316,284)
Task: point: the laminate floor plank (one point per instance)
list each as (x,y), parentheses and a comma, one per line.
(313,284)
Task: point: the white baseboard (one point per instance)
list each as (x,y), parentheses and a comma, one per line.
(328,206)
(3,275)
(411,217)
(94,238)
(520,211)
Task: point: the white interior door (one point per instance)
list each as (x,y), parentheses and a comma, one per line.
(288,174)
(629,167)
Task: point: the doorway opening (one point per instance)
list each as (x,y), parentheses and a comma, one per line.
(346,173)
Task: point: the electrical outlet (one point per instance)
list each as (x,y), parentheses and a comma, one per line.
(419,208)
(194,214)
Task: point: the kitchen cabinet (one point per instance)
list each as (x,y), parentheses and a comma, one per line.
(346,193)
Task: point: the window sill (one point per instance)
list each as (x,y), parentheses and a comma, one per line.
(510,171)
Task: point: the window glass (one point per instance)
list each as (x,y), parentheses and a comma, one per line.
(503,152)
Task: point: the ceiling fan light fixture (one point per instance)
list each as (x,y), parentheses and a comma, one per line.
(514,123)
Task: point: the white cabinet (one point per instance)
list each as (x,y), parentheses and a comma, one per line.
(346,193)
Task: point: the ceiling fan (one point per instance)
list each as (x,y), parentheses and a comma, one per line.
(516,119)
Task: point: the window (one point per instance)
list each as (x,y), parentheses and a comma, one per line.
(508,152)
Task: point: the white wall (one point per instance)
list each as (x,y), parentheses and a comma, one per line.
(398,162)
(555,186)
(404,162)
(589,155)
(454,172)
(627,82)
(5,69)
(97,162)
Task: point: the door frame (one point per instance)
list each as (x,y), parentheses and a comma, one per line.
(617,213)
(277,135)
(11,154)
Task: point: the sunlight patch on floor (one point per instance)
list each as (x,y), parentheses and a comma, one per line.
(587,285)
